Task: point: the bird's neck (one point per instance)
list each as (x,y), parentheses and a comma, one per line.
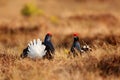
(76,41)
(47,39)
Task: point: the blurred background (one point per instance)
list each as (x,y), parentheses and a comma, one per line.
(24,20)
(96,21)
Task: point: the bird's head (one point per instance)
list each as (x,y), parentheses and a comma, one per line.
(48,36)
(76,38)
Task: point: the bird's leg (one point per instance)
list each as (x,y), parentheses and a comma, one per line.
(48,55)
(52,55)
(76,52)
(80,53)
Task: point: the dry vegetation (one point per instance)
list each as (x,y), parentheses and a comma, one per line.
(96,21)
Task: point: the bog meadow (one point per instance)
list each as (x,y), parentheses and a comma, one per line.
(96,21)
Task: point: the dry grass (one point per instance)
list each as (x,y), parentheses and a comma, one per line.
(101,63)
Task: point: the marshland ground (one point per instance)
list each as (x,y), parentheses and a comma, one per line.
(96,21)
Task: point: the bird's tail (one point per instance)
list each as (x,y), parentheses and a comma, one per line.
(36,49)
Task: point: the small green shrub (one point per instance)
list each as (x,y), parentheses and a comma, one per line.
(31,9)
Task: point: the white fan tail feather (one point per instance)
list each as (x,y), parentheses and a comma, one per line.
(34,42)
(39,42)
(31,43)
(36,49)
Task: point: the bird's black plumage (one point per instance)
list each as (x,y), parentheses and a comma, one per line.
(75,46)
(49,46)
(48,43)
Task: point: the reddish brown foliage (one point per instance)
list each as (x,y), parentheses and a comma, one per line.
(110,65)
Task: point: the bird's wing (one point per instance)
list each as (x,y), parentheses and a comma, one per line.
(77,45)
(51,47)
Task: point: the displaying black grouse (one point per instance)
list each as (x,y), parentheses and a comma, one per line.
(49,46)
(40,49)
